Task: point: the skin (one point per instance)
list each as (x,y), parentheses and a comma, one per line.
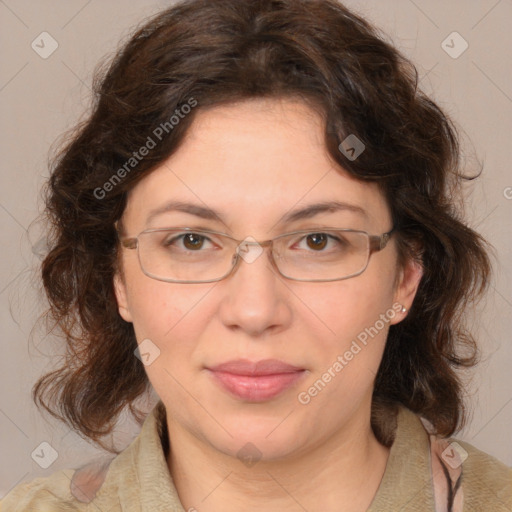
(254,161)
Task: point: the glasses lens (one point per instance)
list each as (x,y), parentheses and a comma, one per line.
(178,255)
(323,255)
(199,256)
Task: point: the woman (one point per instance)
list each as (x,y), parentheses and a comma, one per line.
(257,222)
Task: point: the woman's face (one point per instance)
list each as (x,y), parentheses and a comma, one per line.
(254,162)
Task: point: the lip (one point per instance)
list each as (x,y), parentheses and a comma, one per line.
(256,381)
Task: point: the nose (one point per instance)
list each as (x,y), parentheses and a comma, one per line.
(255,298)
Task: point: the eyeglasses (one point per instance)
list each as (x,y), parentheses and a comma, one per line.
(187,255)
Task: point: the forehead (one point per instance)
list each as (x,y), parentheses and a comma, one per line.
(253,163)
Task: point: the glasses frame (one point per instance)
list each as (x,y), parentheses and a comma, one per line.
(376,244)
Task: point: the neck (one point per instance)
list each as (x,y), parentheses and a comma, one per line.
(345,468)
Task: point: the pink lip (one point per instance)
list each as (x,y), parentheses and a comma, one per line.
(256,381)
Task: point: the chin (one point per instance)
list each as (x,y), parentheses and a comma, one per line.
(254,438)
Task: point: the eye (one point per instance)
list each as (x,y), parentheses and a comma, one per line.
(319,241)
(191,241)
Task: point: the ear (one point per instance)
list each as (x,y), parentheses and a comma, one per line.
(408,281)
(121,296)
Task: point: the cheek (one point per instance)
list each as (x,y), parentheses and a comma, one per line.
(172,317)
(157,307)
(167,332)
(152,309)
(354,321)
(344,309)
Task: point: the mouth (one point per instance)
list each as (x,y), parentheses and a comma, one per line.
(256,381)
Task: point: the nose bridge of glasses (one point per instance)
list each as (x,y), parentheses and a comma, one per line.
(243,249)
(253,242)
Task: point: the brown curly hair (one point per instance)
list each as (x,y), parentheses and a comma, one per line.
(217,52)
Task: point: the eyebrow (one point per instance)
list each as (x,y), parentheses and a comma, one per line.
(298,214)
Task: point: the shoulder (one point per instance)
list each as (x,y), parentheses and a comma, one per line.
(44,494)
(451,472)
(71,489)
(486,479)
(109,482)
(463,474)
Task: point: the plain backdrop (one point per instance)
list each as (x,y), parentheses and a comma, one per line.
(42,97)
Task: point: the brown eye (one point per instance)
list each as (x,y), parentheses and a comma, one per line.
(317,240)
(193,241)
(186,241)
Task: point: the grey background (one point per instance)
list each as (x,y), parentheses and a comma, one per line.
(41,98)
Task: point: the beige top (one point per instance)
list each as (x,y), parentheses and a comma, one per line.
(138,479)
